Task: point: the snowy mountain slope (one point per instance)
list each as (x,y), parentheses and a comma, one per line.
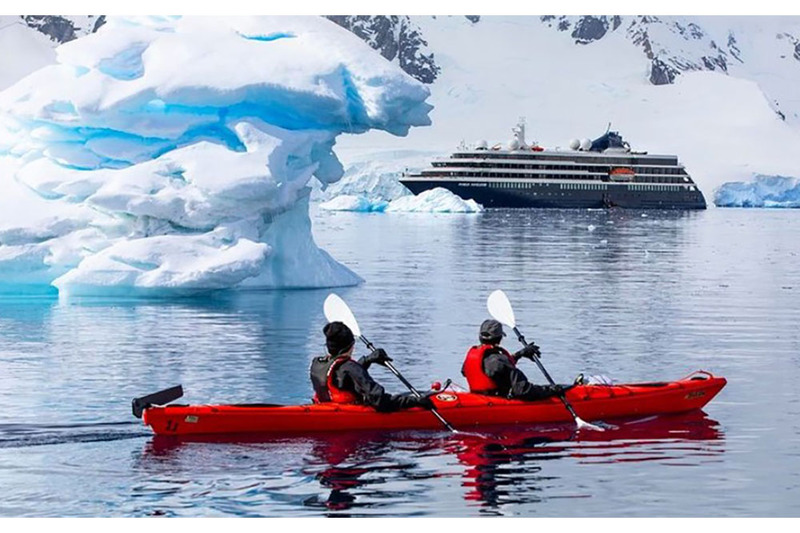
(22,50)
(763,49)
(722,123)
(27,41)
(397,38)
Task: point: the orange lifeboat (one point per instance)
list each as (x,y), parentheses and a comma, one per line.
(621,174)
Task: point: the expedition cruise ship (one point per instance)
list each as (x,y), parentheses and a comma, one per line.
(591,174)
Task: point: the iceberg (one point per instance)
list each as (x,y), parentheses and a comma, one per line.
(173,155)
(358,203)
(763,191)
(376,174)
(438,200)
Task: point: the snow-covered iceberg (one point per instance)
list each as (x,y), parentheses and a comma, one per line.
(436,200)
(763,191)
(355,202)
(165,153)
(376,174)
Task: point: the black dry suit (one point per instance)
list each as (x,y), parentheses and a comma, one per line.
(512,382)
(349,382)
(500,367)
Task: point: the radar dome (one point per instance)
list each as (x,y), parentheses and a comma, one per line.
(513,144)
(574,144)
(481,145)
(586,144)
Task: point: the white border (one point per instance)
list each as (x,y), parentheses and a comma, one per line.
(407,7)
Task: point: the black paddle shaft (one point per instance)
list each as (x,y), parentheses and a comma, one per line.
(414,391)
(541,367)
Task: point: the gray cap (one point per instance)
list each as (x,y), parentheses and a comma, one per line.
(491,331)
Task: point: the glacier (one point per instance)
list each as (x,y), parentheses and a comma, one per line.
(169,155)
(762,191)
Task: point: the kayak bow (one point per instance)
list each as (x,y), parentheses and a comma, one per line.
(462,409)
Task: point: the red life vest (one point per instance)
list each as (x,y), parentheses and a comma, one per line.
(322,379)
(477,379)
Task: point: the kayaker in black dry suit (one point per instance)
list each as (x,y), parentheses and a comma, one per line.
(491,369)
(337,378)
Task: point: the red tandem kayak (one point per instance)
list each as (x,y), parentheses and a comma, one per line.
(463,410)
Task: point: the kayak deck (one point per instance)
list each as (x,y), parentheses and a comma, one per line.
(463,410)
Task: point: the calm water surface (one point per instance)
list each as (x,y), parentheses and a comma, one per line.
(632,295)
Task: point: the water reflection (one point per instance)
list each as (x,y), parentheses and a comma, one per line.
(370,473)
(508,469)
(100,353)
(639,299)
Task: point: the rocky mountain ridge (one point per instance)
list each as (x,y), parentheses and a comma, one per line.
(670,45)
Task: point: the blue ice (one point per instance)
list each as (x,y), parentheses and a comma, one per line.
(763,191)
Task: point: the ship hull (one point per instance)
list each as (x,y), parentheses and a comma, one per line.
(555,195)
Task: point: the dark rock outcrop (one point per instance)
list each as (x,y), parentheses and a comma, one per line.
(62,29)
(397,39)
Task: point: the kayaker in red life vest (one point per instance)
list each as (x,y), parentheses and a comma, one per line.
(491,369)
(339,379)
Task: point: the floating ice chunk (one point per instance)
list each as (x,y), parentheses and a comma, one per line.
(763,191)
(358,203)
(436,200)
(376,175)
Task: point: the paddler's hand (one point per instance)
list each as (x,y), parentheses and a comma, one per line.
(425,401)
(378,356)
(530,351)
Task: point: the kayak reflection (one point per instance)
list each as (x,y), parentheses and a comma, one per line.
(508,469)
(350,467)
(370,473)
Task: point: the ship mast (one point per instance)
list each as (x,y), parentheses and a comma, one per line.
(519,132)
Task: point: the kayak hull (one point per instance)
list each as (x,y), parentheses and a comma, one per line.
(463,410)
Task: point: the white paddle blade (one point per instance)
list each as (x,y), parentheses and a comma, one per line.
(582,424)
(337,311)
(500,308)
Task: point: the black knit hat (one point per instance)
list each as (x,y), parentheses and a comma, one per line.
(491,332)
(338,338)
